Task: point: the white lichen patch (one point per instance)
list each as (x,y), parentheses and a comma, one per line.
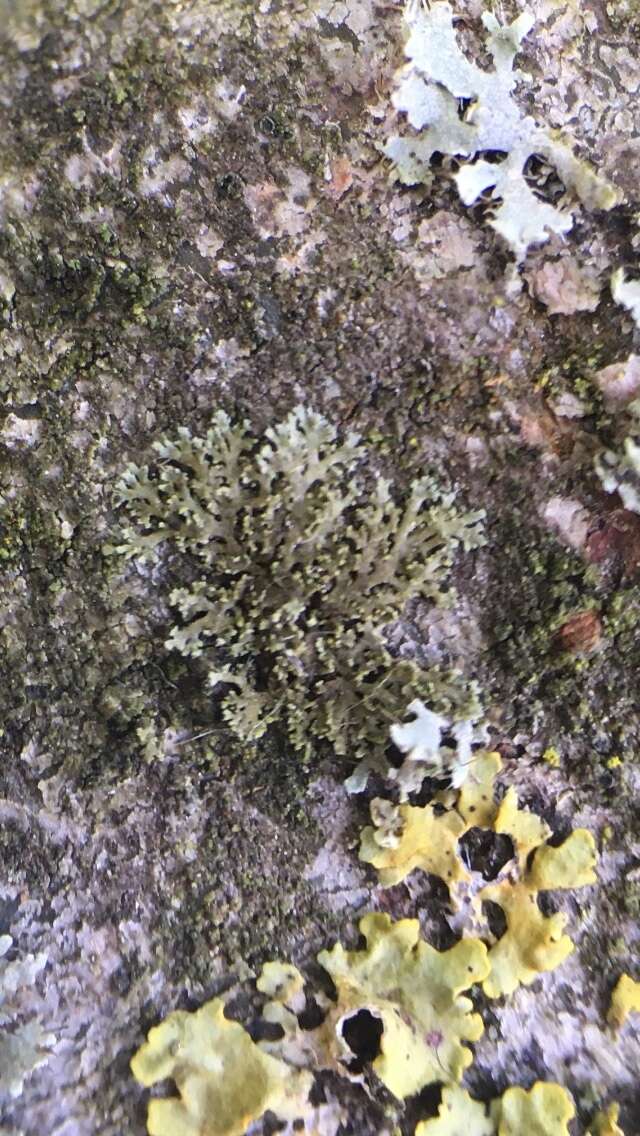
(625,65)
(569,519)
(229,99)
(197,120)
(82,169)
(565,286)
(280,211)
(451,239)
(18,431)
(620,382)
(627,293)
(160,175)
(444,245)
(619,472)
(18,194)
(431,88)
(350,36)
(434,746)
(300,259)
(208,242)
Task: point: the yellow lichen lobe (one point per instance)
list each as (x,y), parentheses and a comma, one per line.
(532,942)
(570,865)
(605,1122)
(458,1113)
(224,1081)
(426,840)
(475,802)
(526,830)
(543,1111)
(415,991)
(404,838)
(280,981)
(625,1000)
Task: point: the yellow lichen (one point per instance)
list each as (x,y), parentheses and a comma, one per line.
(605,1123)
(407,994)
(475,802)
(224,1080)
(280,980)
(624,1001)
(568,866)
(297,1047)
(411,994)
(410,997)
(526,830)
(404,838)
(543,1111)
(458,1113)
(415,992)
(533,942)
(427,840)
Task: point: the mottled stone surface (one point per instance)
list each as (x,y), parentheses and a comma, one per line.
(194,214)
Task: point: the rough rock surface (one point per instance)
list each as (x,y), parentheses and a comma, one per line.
(194,213)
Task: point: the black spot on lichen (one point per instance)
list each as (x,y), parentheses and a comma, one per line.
(363,1034)
(485,851)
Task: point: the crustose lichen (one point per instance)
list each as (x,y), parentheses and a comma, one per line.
(302,555)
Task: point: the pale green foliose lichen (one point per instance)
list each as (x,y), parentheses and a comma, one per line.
(429,89)
(303,554)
